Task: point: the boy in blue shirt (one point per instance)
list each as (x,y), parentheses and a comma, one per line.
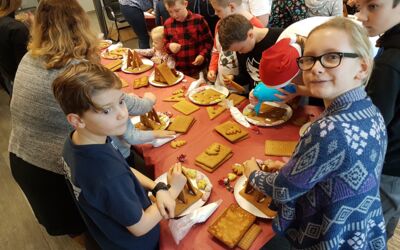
(111,195)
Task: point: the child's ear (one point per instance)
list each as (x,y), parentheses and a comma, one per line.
(75,121)
(250,34)
(363,71)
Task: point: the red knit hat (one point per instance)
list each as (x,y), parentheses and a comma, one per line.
(278,64)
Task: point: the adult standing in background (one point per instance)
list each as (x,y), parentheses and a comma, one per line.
(60,36)
(160,12)
(13,40)
(260,9)
(324,7)
(133,13)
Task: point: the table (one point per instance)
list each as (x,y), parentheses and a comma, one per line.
(199,137)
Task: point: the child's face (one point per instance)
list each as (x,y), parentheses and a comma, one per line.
(220,11)
(178,11)
(158,42)
(111,119)
(378,16)
(329,83)
(245,46)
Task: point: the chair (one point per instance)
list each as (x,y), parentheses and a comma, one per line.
(114,14)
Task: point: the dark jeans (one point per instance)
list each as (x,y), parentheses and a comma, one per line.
(161,13)
(277,243)
(49,197)
(135,17)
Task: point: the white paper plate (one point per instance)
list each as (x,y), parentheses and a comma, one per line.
(221,89)
(285,118)
(163,85)
(304,128)
(144,60)
(243,203)
(163,117)
(106,43)
(200,202)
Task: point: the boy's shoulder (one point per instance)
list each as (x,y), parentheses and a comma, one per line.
(390,57)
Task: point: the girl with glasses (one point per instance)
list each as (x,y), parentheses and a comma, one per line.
(327,194)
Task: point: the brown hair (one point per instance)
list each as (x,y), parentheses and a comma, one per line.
(225,3)
(233,28)
(9,6)
(395,3)
(358,38)
(74,88)
(61,32)
(171,3)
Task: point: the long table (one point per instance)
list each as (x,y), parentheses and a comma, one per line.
(199,137)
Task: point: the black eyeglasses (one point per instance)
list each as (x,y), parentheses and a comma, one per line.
(329,60)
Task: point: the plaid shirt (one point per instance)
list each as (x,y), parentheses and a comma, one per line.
(195,39)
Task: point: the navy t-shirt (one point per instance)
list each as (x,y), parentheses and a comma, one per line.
(109,195)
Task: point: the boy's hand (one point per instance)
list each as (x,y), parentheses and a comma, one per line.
(211,76)
(150,96)
(163,133)
(286,96)
(250,166)
(253,100)
(174,47)
(176,179)
(166,204)
(199,60)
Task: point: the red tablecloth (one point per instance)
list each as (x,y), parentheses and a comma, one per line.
(201,135)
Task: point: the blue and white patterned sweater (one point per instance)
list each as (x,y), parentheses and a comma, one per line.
(328,193)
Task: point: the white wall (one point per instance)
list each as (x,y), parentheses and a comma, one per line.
(87,5)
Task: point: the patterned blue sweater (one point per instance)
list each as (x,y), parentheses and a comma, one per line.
(327,195)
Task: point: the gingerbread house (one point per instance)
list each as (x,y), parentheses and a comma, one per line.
(187,196)
(258,199)
(150,120)
(134,61)
(163,74)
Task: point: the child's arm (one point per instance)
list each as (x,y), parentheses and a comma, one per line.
(138,106)
(213,67)
(309,165)
(146,52)
(205,38)
(135,136)
(152,216)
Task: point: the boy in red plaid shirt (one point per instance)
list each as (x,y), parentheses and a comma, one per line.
(188,37)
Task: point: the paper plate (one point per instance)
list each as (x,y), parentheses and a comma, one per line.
(163,118)
(114,56)
(221,89)
(200,202)
(104,44)
(163,85)
(249,108)
(243,203)
(148,64)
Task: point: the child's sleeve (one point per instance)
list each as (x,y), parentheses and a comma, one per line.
(138,106)
(167,36)
(118,200)
(214,53)
(135,136)
(316,158)
(206,39)
(146,52)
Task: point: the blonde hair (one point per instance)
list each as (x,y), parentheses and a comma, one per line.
(157,32)
(9,6)
(225,3)
(171,3)
(358,38)
(61,32)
